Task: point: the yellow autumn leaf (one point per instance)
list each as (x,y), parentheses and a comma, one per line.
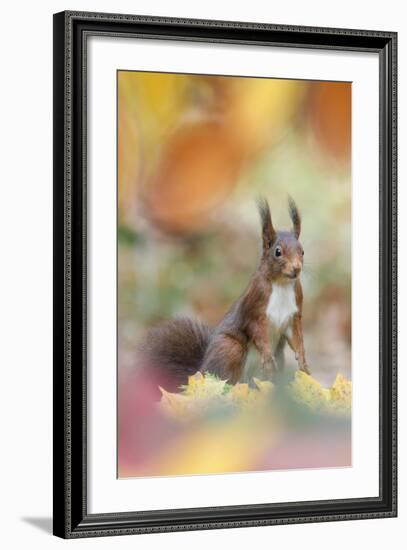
(204,386)
(341,393)
(201,393)
(264,386)
(308,391)
(206,392)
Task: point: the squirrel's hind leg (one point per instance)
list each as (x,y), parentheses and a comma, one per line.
(225,357)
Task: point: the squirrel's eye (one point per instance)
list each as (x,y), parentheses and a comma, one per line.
(277,252)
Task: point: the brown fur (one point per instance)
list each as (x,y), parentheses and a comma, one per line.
(175,350)
(246,322)
(186,347)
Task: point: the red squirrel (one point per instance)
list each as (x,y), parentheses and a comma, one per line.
(268,314)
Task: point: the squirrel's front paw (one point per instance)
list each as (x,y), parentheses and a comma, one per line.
(305,368)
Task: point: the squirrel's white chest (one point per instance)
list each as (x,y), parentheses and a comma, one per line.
(282,305)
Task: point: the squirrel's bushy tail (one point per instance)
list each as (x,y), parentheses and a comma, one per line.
(175,350)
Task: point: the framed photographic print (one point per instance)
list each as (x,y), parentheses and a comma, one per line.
(224,274)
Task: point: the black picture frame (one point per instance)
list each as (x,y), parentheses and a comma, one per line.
(71,518)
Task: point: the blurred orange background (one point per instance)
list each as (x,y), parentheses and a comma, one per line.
(194,152)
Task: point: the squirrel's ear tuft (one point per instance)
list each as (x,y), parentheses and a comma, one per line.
(295,216)
(268,232)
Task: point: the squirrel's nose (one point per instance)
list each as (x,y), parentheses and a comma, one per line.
(296,270)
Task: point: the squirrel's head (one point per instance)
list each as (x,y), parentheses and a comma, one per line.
(283,255)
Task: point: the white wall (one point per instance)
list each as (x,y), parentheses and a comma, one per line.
(26,267)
